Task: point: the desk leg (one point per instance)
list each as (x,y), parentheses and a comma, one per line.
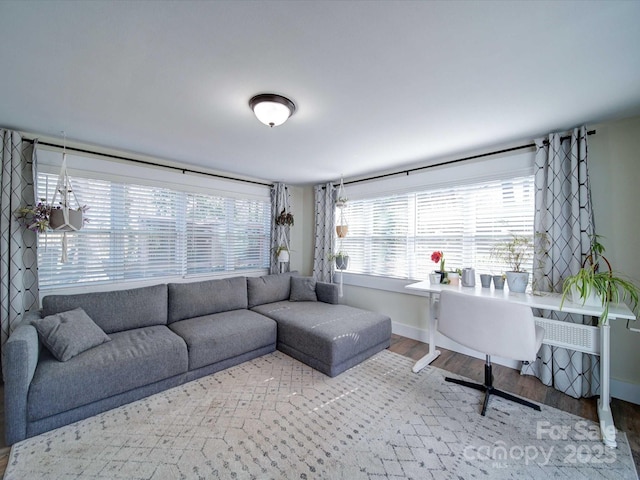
(607,428)
(432,354)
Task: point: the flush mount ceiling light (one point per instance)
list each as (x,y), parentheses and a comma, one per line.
(272,109)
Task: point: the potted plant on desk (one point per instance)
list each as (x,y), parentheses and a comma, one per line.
(592,287)
(516,253)
(438,257)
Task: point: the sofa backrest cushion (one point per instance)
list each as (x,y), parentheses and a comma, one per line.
(303,289)
(116,310)
(268,288)
(195,299)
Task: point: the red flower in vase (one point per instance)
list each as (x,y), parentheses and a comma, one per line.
(438,256)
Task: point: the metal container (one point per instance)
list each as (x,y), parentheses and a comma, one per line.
(468,277)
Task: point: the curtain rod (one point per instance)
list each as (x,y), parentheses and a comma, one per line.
(154,164)
(449,162)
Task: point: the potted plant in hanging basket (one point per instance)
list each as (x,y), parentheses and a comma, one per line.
(74,220)
(282,254)
(43,217)
(341,260)
(516,253)
(285,218)
(342,230)
(592,287)
(342,227)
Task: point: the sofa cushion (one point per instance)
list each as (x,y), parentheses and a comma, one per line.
(328,292)
(217,337)
(195,299)
(117,310)
(303,289)
(330,334)
(66,334)
(268,288)
(131,359)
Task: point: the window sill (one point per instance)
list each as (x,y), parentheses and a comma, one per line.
(378,283)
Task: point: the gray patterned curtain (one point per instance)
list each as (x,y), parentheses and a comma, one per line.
(564,227)
(18,259)
(280,234)
(324,228)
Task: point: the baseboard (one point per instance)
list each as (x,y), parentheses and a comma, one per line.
(629,392)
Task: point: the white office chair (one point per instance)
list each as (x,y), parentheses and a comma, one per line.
(493,327)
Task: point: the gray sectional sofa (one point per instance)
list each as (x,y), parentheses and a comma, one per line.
(141,341)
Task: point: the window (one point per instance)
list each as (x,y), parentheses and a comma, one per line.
(394,236)
(138,232)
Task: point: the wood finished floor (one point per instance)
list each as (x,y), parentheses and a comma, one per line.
(626,415)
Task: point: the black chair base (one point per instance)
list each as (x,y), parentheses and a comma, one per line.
(490,390)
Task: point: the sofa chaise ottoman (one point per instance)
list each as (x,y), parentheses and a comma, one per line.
(313,327)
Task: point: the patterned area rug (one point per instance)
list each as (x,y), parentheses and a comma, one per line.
(274,417)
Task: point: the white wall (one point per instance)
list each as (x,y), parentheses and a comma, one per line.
(614,155)
(614,170)
(301,257)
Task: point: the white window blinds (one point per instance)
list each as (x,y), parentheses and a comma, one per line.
(394,236)
(138,232)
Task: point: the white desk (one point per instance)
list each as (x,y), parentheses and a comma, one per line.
(545,301)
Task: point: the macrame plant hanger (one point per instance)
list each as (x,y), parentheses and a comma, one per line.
(282,234)
(342,228)
(64,218)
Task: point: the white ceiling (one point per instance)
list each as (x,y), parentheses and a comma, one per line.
(378,85)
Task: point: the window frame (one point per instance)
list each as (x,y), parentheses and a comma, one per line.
(99,168)
(499,167)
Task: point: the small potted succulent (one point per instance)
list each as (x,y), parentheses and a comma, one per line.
(454,276)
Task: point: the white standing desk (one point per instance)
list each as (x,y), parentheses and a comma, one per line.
(583,338)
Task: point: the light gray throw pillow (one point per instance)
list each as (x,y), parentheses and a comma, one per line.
(68,334)
(303,289)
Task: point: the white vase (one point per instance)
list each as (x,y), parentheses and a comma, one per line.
(283,256)
(592,300)
(517,281)
(454,278)
(434,278)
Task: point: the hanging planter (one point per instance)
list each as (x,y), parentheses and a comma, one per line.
(342,261)
(66,221)
(342,230)
(342,227)
(282,254)
(60,215)
(285,218)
